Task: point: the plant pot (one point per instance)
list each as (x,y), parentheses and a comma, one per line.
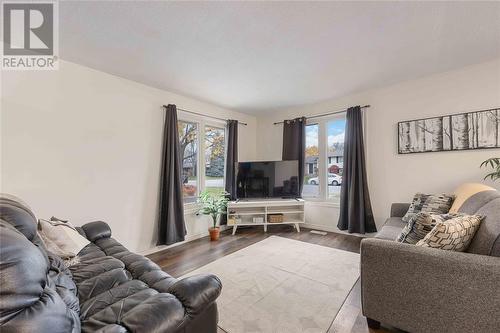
(214,233)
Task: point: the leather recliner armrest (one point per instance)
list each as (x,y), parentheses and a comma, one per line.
(197,292)
(96,230)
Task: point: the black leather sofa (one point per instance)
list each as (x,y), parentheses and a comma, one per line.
(109,290)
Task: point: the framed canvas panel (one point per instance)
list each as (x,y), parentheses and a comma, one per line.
(470,130)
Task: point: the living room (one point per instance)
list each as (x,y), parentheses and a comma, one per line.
(154,128)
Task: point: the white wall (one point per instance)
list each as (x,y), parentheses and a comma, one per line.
(393,177)
(84,145)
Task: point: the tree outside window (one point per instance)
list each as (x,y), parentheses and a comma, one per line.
(214,159)
(311,179)
(188,140)
(202,151)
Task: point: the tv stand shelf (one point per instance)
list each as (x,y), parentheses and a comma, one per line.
(242,212)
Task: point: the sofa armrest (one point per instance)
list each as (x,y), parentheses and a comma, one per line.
(96,230)
(399,209)
(196,292)
(420,289)
(160,313)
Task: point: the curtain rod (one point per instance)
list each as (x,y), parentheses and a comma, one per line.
(204,115)
(325,114)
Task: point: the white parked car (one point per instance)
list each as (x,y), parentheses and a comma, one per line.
(333,179)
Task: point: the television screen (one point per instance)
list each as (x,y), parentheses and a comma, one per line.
(274,179)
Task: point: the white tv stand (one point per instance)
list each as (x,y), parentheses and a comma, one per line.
(246,210)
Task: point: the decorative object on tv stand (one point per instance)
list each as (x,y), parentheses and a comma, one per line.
(494,163)
(463,131)
(275,218)
(258,219)
(214,204)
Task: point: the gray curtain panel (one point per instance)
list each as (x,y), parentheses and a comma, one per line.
(231,157)
(355,208)
(171,226)
(294,144)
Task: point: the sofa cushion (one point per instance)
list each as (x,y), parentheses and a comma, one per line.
(61,277)
(420,225)
(391,229)
(429,203)
(111,296)
(487,238)
(495,249)
(454,234)
(464,192)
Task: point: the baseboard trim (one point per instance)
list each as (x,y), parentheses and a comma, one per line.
(189,238)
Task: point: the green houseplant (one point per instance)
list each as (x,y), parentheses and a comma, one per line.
(493,163)
(214,204)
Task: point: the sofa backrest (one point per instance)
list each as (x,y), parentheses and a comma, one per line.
(487,239)
(18,214)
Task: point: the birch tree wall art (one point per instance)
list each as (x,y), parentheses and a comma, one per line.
(471,130)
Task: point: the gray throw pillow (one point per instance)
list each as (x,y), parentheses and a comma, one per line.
(429,203)
(420,225)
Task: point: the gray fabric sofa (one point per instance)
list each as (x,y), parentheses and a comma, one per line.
(419,289)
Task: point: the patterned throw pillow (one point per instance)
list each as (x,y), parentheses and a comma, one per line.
(420,225)
(455,234)
(429,203)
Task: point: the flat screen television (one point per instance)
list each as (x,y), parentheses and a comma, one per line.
(270,179)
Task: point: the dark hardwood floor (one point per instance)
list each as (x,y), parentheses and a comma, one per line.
(184,258)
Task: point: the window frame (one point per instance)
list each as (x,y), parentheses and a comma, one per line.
(322,122)
(202,123)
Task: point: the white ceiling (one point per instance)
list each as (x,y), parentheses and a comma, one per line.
(258,56)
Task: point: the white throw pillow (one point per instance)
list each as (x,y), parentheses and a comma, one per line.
(454,234)
(62,235)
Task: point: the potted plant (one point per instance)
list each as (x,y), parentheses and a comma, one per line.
(214,204)
(493,163)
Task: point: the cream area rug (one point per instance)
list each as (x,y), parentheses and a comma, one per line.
(280,285)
